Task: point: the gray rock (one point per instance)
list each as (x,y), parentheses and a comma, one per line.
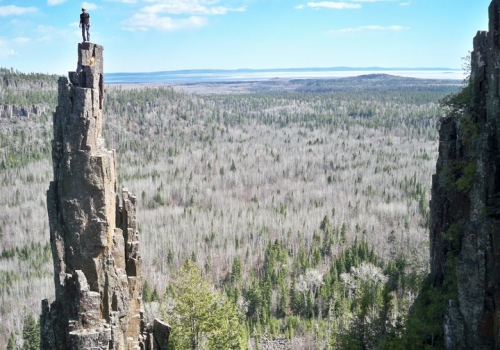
(465,230)
(93,232)
(23,111)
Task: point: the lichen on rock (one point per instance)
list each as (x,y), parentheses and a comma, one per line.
(465,230)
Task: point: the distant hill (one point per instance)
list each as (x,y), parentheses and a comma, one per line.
(215,75)
(378,76)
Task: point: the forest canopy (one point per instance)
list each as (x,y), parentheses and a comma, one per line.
(304,209)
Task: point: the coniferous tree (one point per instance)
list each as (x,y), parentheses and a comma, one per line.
(202,318)
(236,271)
(11,345)
(146,292)
(31,334)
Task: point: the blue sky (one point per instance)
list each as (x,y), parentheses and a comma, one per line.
(156,35)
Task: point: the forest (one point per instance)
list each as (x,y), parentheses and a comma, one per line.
(301,206)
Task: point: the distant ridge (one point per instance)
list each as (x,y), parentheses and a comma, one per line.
(246,74)
(313,69)
(379,77)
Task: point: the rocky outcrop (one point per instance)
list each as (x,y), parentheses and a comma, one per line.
(32,89)
(465,206)
(28,111)
(93,231)
(27,82)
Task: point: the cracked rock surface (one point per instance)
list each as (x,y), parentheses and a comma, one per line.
(93,230)
(465,222)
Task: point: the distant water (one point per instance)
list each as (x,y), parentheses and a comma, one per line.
(192,76)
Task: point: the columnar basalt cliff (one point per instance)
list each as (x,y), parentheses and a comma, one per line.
(93,232)
(465,206)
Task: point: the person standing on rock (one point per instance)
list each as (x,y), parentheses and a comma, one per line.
(85,24)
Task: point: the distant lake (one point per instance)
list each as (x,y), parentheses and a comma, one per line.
(190,76)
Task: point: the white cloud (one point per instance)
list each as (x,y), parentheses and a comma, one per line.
(10,53)
(12,10)
(89,6)
(21,40)
(193,7)
(55,2)
(145,21)
(337,5)
(408,3)
(368,28)
(176,14)
(333,5)
(8,47)
(123,1)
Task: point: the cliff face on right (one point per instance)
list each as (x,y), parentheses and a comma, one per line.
(465,205)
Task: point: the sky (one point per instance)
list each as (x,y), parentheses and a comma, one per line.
(163,35)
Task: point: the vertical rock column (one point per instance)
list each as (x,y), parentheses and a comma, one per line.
(93,232)
(465,222)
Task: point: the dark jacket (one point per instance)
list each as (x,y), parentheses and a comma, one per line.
(85,18)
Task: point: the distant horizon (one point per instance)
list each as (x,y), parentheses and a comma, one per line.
(333,68)
(247,74)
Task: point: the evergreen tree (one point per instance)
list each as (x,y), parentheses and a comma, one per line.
(154,295)
(236,271)
(11,345)
(31,334)
(343,233)
(202,318)
(146,292)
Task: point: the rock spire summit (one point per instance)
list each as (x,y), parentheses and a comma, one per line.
(93,230)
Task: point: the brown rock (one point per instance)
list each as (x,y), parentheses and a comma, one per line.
(93,233)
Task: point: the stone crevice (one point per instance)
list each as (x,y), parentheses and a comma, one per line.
(93,233)
(472,258)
